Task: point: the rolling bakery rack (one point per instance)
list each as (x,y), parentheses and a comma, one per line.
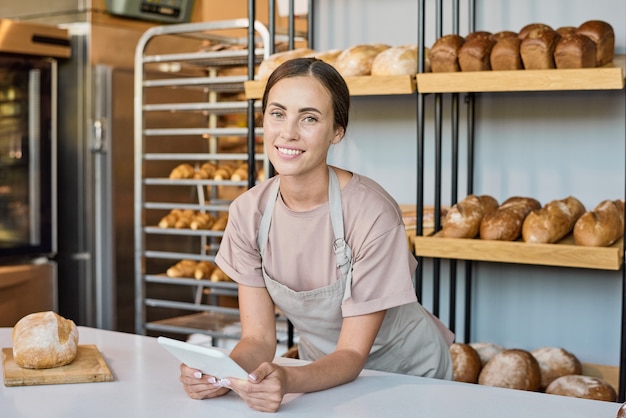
(189,108)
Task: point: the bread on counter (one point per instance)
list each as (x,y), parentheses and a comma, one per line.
(44,340)
(602,226)
(464,218)
(603,35)
(444,54)
(553,221)
(505,223)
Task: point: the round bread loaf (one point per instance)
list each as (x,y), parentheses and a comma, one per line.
(43,340)
(267,67)
(465,363)
(399,60)
(512,368)
(555,362)
(579,386)
(621,412)
(486,351)
(357,60)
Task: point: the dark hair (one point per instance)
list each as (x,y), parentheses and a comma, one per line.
(325,74)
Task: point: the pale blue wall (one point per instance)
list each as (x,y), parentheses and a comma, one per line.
(546,145)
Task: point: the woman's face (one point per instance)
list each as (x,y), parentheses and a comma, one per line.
(298,126)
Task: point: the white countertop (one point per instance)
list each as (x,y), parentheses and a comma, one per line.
(146,385)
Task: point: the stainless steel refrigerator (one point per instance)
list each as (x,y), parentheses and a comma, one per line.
(95,159)
(28,187)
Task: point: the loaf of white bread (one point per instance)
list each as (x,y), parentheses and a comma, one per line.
(44,340)
(580,386)
(601,226)
(464,218)
(505,222)
(553,221)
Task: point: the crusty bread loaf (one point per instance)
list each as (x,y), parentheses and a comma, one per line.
(555,362)
(466,363)
(357,60)
(398,60)
(537,49)
(268,65)
(505,223)
(444,54)
(329,56)
(575,51)
(603,35)
(553,221)
(602,226)
(486,350)
(503,34)
(621,412)
(512,368)
(505,55)
(526,30)
(566,30)
(463,219)
(475,52)
(579,386)
(43,340)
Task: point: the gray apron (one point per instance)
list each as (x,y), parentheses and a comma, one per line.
(408,341)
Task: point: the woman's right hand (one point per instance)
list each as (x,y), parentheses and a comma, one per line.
(199,385)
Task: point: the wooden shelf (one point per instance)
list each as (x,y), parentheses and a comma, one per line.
(564,253)
(358,86)
(609,77)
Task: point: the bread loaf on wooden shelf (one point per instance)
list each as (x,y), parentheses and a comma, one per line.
(475,53)
(512,368)
(526,30)
(466,363)
(268,65)
(505,223)
(555,362)
(464,218)
(329,56)
(575,51)
(601,226)
(603,35)
(553,221)
(537,49)
(505,55)
(357,60)
(579,386)
(444,54)
(398,60)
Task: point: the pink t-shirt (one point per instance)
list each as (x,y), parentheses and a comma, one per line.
(299,252)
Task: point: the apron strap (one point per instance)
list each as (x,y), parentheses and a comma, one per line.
(343,253)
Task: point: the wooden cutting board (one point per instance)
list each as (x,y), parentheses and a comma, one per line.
(88,366)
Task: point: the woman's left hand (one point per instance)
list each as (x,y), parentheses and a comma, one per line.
(265,388)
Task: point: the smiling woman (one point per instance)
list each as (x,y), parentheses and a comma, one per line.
(325,246)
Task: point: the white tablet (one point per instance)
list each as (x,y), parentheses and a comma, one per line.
(206,359)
